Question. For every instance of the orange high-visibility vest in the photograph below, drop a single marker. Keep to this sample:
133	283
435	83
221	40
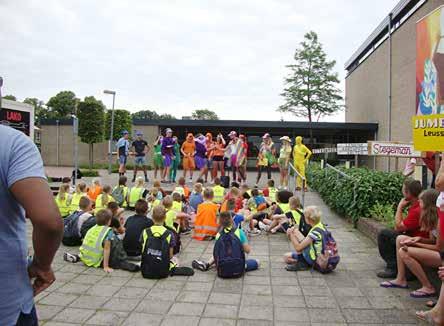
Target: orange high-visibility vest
206	224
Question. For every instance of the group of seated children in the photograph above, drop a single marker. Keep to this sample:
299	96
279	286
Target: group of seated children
108	240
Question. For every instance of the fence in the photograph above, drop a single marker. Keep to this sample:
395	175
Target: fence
293	175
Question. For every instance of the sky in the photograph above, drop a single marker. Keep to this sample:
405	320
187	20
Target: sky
228	56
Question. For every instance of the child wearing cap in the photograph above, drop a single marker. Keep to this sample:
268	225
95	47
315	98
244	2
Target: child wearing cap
123	147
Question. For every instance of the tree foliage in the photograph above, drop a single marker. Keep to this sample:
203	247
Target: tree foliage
204	114
10	97
122	121
62	105
151	115
91	114
311	89
41	112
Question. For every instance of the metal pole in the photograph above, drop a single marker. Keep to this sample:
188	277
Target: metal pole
76	149
1	84
111	137
389	83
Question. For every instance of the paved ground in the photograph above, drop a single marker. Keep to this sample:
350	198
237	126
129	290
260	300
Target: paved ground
270	296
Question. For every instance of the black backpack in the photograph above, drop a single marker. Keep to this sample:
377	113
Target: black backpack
177	241
88	224
118	257
156	255
229	255
71	234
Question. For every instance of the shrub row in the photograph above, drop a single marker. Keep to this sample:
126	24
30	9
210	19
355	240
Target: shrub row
372	188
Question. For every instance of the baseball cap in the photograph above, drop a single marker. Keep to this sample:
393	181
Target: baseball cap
266	135
125	132
232	133
168	130
139	133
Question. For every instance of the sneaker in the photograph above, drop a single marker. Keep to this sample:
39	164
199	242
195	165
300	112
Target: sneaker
70	258
299	266
263	226
254	232
185	232
387	273
200	265
191	180
133	179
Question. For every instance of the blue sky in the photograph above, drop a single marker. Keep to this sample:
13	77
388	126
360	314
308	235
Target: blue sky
174	56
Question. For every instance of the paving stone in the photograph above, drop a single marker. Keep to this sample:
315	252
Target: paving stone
162	294
256	312
289	301
347	292
293	315
64	277
256	300
89	302
386	302
220	311
191	296
113	281
154	306
258	280
103	290
187	309
199	286
169	284
107	318
45	312
316	291
87	279
180	320
120	304
361	316
141	283
249	322
131	292
396	316
217	322
286	290
354	302
74	288
56	323
224	298
140	319
257	289
321	302
58	299
74	315
326	316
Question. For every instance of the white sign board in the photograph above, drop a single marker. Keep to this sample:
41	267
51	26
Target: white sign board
353	149
393	149
323	150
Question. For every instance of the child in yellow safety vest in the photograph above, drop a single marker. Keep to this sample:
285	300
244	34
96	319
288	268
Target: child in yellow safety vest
103	199
218	191
175	218
137	192
270	192
62	200
284	219
75	197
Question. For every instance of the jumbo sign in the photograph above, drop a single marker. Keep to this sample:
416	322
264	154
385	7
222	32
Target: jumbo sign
428	132
377	148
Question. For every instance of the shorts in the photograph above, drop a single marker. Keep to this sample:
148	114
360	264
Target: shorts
188	163
201	162
305	255
122	159
260	216
139	160
283	163
251	265
167	161
218	158
209	163
158	161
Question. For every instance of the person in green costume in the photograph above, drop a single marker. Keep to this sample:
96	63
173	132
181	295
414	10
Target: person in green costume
176	161
157	156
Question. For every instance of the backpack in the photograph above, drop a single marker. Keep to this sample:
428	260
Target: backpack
156	256
118	196
88	224
177	241
118	257
71	234
225	181
229	255
304	227
329	258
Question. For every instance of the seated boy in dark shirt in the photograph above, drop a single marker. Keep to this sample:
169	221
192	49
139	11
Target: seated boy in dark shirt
134	226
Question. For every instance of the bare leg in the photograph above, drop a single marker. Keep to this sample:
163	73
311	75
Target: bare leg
222	168
400	277
288	259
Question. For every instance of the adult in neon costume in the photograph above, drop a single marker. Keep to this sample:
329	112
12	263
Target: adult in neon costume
301	155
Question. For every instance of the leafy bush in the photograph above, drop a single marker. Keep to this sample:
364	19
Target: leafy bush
372	187
90	173
384	213
114	167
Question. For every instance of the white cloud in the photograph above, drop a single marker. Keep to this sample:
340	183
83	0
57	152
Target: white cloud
174	56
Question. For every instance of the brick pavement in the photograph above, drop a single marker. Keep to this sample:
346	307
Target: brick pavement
269	296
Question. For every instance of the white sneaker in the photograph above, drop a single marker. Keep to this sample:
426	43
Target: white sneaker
263	226
254	232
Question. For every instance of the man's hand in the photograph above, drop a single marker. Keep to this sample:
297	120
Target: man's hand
43	278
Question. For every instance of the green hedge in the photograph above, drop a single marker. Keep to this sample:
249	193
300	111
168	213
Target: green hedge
372	188
114	167
90	173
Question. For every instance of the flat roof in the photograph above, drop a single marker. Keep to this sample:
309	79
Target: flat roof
241	124
399	14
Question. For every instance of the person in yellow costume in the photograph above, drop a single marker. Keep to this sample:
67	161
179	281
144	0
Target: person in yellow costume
301	155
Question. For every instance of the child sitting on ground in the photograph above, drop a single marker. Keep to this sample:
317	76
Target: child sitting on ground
137	192
75	198
245	191
196	197
243	218
117	220
153	260
154	197
219	191
284	220
309	247
175	218
73	223
103	199
206	225
226	222
271	191
134	227
156	184
182	188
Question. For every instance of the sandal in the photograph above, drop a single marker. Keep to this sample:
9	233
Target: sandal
425	316
431	303
418	294
390	284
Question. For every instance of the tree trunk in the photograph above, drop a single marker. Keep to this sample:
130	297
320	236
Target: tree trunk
90	156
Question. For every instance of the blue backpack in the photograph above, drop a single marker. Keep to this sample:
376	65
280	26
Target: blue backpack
71	233
329	258
229	255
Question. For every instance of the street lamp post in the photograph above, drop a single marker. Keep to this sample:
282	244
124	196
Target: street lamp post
1	84
75	128
110	155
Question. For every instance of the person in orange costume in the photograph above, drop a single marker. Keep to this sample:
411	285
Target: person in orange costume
301	155
206	224
188	150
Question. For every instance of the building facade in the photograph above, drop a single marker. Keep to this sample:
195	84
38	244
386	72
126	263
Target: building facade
381	75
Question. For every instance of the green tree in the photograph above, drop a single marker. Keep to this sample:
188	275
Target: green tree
204	114
122	121
312	86
151	115
10	97
63	104
91	114
40	111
